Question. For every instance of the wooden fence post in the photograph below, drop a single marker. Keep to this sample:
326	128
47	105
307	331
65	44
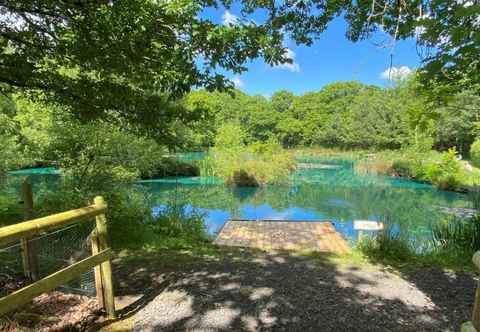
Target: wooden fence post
97	270
103	273
29	254
474	324
476	306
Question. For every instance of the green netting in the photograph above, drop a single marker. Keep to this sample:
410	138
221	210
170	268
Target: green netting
186	180
54	251
42	170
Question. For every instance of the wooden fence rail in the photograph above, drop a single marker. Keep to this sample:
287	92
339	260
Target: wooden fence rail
100	259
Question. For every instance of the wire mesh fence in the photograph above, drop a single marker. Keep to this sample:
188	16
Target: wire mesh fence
52	251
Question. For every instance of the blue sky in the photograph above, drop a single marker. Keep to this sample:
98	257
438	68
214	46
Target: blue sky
331	58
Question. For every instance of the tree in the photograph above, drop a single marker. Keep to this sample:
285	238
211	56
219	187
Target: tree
128	59
282	101
457	123
9	146
447	30
331	104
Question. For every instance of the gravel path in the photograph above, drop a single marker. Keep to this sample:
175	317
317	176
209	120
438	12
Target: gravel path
281	292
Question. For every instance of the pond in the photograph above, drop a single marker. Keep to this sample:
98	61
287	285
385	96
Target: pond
322	189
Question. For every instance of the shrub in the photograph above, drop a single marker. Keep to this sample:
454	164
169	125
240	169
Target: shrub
10	209
128	210
402	168
248	168
172	167
254	165
446	173
176	221
475	153
243	178
230	136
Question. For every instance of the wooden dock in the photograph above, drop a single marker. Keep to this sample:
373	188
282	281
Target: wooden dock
282	235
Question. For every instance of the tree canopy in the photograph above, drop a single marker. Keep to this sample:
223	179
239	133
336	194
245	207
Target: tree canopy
129	59
341	114
447	33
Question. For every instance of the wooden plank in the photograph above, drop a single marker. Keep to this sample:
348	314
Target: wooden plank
105	267
27	229
26	294
285	235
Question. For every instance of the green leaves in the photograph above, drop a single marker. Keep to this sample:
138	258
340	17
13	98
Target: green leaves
447	31
128	55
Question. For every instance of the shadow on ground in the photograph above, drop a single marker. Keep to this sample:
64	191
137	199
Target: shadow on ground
256	291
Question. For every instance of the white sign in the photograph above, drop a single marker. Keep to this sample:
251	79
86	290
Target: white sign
367	225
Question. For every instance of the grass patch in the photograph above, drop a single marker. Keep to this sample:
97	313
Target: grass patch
253	165
451	247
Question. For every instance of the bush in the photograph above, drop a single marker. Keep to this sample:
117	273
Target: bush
175	221
402	168
446	173
254	165
10	209
128	210
475	153
443	170
172	167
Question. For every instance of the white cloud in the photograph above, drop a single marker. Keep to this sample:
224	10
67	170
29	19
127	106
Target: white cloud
238	82
229	19
396	73
465	3
294	66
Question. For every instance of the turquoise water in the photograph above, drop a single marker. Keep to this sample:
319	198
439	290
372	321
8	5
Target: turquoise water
36	171
330	191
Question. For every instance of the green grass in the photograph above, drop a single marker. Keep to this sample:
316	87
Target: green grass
453	251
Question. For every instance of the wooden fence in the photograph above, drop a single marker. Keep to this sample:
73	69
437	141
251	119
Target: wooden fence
474	324
100	259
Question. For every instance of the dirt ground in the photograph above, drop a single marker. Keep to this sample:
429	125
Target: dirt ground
54	311
257	291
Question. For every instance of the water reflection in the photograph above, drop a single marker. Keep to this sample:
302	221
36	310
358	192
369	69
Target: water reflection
337	194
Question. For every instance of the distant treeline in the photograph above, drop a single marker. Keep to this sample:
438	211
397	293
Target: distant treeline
343	114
